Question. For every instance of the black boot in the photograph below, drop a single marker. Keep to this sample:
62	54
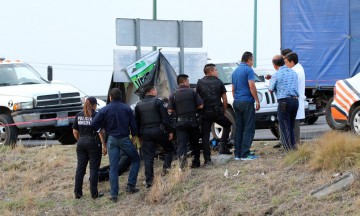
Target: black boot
224	149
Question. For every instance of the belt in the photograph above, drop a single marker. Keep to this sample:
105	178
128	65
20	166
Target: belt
185	119
291	97
88	137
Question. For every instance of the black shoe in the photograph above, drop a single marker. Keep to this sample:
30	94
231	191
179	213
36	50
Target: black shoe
148	185
98	195
208	163
195	165
78	197
113	199
131	190
225	151
165	171
277	145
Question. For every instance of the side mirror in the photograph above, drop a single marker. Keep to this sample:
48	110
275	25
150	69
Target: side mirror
49	73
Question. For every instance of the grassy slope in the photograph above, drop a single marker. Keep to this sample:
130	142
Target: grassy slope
40	181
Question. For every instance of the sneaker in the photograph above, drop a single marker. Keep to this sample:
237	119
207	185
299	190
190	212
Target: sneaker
249	157
237	158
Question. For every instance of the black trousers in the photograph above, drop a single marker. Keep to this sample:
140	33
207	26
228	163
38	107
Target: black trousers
188	134
150	137
87	150
208	119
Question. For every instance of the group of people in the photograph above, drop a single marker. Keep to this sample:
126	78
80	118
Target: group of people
288	83
195	110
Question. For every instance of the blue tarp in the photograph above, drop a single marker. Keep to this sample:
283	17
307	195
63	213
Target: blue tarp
326	36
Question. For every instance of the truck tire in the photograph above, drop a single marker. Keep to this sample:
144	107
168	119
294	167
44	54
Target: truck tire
275	130
330	120
217	129
36	135
67	137
355	121
311	120
8	134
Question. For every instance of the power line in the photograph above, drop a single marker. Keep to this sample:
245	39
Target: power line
75	65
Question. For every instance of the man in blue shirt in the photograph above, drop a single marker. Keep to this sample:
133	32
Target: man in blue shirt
118	119
245	94
285	84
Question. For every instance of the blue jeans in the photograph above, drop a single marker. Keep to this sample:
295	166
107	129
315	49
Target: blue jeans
114	145
245	127
287	110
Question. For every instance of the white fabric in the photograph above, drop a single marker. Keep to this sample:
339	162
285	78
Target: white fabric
298	68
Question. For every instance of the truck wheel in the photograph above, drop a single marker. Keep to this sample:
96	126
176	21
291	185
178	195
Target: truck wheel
311	120
355	120
330	120
50	135
217	129
36	135
8	134
275	130
67	137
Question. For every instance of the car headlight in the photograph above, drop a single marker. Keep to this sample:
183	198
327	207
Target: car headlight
260	97
23	105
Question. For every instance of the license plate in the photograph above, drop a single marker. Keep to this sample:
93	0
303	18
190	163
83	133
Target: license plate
63	119
312	106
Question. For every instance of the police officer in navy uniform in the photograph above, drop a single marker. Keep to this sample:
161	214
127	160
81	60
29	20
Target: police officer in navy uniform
153	120
185	102
212	91
88	149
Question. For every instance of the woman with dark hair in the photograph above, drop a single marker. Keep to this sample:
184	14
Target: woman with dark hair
88	149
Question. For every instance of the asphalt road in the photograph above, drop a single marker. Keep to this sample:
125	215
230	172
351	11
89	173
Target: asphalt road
308	132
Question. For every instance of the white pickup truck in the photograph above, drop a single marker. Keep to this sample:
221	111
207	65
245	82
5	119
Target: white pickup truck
32	104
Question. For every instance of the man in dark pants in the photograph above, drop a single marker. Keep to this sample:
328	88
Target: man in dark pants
185	102
153	120
118	120
245	95
285	84
212	90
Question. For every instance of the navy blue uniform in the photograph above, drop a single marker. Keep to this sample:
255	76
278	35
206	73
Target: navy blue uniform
88	149
154	122
185	102
210	90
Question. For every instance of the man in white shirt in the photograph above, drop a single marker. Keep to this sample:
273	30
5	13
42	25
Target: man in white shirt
292	61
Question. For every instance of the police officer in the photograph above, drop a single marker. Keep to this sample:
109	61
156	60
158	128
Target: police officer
88	149
153	120
212	90
185	102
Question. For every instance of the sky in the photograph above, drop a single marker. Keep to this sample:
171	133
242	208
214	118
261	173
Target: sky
78	37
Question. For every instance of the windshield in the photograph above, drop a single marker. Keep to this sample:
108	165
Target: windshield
225	71
19	74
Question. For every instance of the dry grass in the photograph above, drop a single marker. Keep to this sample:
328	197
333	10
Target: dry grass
40	181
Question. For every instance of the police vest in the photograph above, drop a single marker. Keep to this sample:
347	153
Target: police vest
209	90
149	114
185	103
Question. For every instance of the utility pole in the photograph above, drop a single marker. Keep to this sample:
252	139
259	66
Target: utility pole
154	16
255	31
